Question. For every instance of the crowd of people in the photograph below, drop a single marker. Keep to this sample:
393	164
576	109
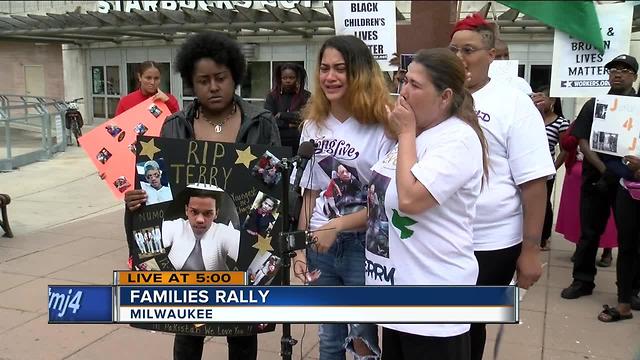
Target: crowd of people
462	164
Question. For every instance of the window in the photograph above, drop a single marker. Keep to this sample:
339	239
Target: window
165	77
257	83
113	80
521	71
540	76
105	82
97	79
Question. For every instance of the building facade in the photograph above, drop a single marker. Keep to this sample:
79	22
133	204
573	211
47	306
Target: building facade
99	64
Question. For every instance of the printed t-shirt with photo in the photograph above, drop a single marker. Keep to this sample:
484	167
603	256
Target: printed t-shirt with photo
434	247
518	153
341	166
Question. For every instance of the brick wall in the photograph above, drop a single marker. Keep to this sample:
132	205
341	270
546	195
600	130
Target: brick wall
13	57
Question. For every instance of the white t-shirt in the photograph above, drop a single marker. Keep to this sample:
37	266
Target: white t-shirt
348	148
434	247
518	152
156	196
217	243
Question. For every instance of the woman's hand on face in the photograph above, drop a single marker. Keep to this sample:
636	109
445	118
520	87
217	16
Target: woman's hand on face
134	199
161	96
402	119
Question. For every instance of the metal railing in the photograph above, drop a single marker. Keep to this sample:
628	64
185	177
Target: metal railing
25	120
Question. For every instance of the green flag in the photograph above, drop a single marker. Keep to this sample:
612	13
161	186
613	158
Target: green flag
576	18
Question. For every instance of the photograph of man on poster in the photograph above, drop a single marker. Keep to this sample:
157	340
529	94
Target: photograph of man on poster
152	183
262	216
198	242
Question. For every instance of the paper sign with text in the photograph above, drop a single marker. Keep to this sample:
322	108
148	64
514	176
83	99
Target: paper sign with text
244	183
373	22
503	69
616	125
578	68
111	146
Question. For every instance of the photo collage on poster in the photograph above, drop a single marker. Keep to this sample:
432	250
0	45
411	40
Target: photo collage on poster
207	211
112	145
267	169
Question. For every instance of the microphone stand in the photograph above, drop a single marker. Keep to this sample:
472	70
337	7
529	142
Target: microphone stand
286	341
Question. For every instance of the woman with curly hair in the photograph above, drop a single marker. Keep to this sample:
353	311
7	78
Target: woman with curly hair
213	66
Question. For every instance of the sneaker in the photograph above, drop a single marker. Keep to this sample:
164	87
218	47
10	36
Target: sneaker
576	289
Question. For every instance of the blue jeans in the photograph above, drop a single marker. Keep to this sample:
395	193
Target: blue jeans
343	264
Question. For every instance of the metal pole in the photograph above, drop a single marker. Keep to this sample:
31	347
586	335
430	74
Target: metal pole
286	341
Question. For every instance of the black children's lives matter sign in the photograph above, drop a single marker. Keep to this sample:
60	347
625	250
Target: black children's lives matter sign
578	68
210	207
373	22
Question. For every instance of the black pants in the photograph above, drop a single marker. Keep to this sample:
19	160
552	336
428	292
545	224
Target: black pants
496	269
628	224
187	347
398	345
548	216
595	209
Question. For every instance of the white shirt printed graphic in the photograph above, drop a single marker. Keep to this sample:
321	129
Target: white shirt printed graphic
434	247
341	166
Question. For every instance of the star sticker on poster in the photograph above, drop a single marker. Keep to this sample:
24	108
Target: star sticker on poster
149	149
402	223
263	244
245	156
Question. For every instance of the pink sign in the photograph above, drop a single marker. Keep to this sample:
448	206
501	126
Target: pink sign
112	145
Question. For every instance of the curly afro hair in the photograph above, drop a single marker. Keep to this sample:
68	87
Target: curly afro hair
212	45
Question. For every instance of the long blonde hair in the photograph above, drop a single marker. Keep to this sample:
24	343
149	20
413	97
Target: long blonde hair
367	92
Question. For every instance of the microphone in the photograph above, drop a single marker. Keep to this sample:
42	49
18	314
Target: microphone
305	152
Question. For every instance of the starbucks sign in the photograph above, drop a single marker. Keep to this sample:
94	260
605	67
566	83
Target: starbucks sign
127	6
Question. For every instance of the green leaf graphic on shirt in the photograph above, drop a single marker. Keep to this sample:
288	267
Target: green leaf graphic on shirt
402	223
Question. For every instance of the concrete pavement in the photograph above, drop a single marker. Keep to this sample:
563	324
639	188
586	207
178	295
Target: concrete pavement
68	230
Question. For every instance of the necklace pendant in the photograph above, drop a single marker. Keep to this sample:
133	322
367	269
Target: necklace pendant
218	128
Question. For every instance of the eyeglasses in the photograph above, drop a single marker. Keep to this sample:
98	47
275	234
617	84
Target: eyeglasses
615	71
465	50
153	175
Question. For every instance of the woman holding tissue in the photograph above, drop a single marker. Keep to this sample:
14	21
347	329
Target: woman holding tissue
427	199
149	78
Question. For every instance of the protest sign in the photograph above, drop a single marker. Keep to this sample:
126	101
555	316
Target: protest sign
242	233
614	130
111	145
373	22
578	68
503	69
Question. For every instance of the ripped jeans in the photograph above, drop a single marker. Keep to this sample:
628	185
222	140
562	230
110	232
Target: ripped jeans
343	264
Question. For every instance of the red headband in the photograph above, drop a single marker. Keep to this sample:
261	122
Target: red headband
471	22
